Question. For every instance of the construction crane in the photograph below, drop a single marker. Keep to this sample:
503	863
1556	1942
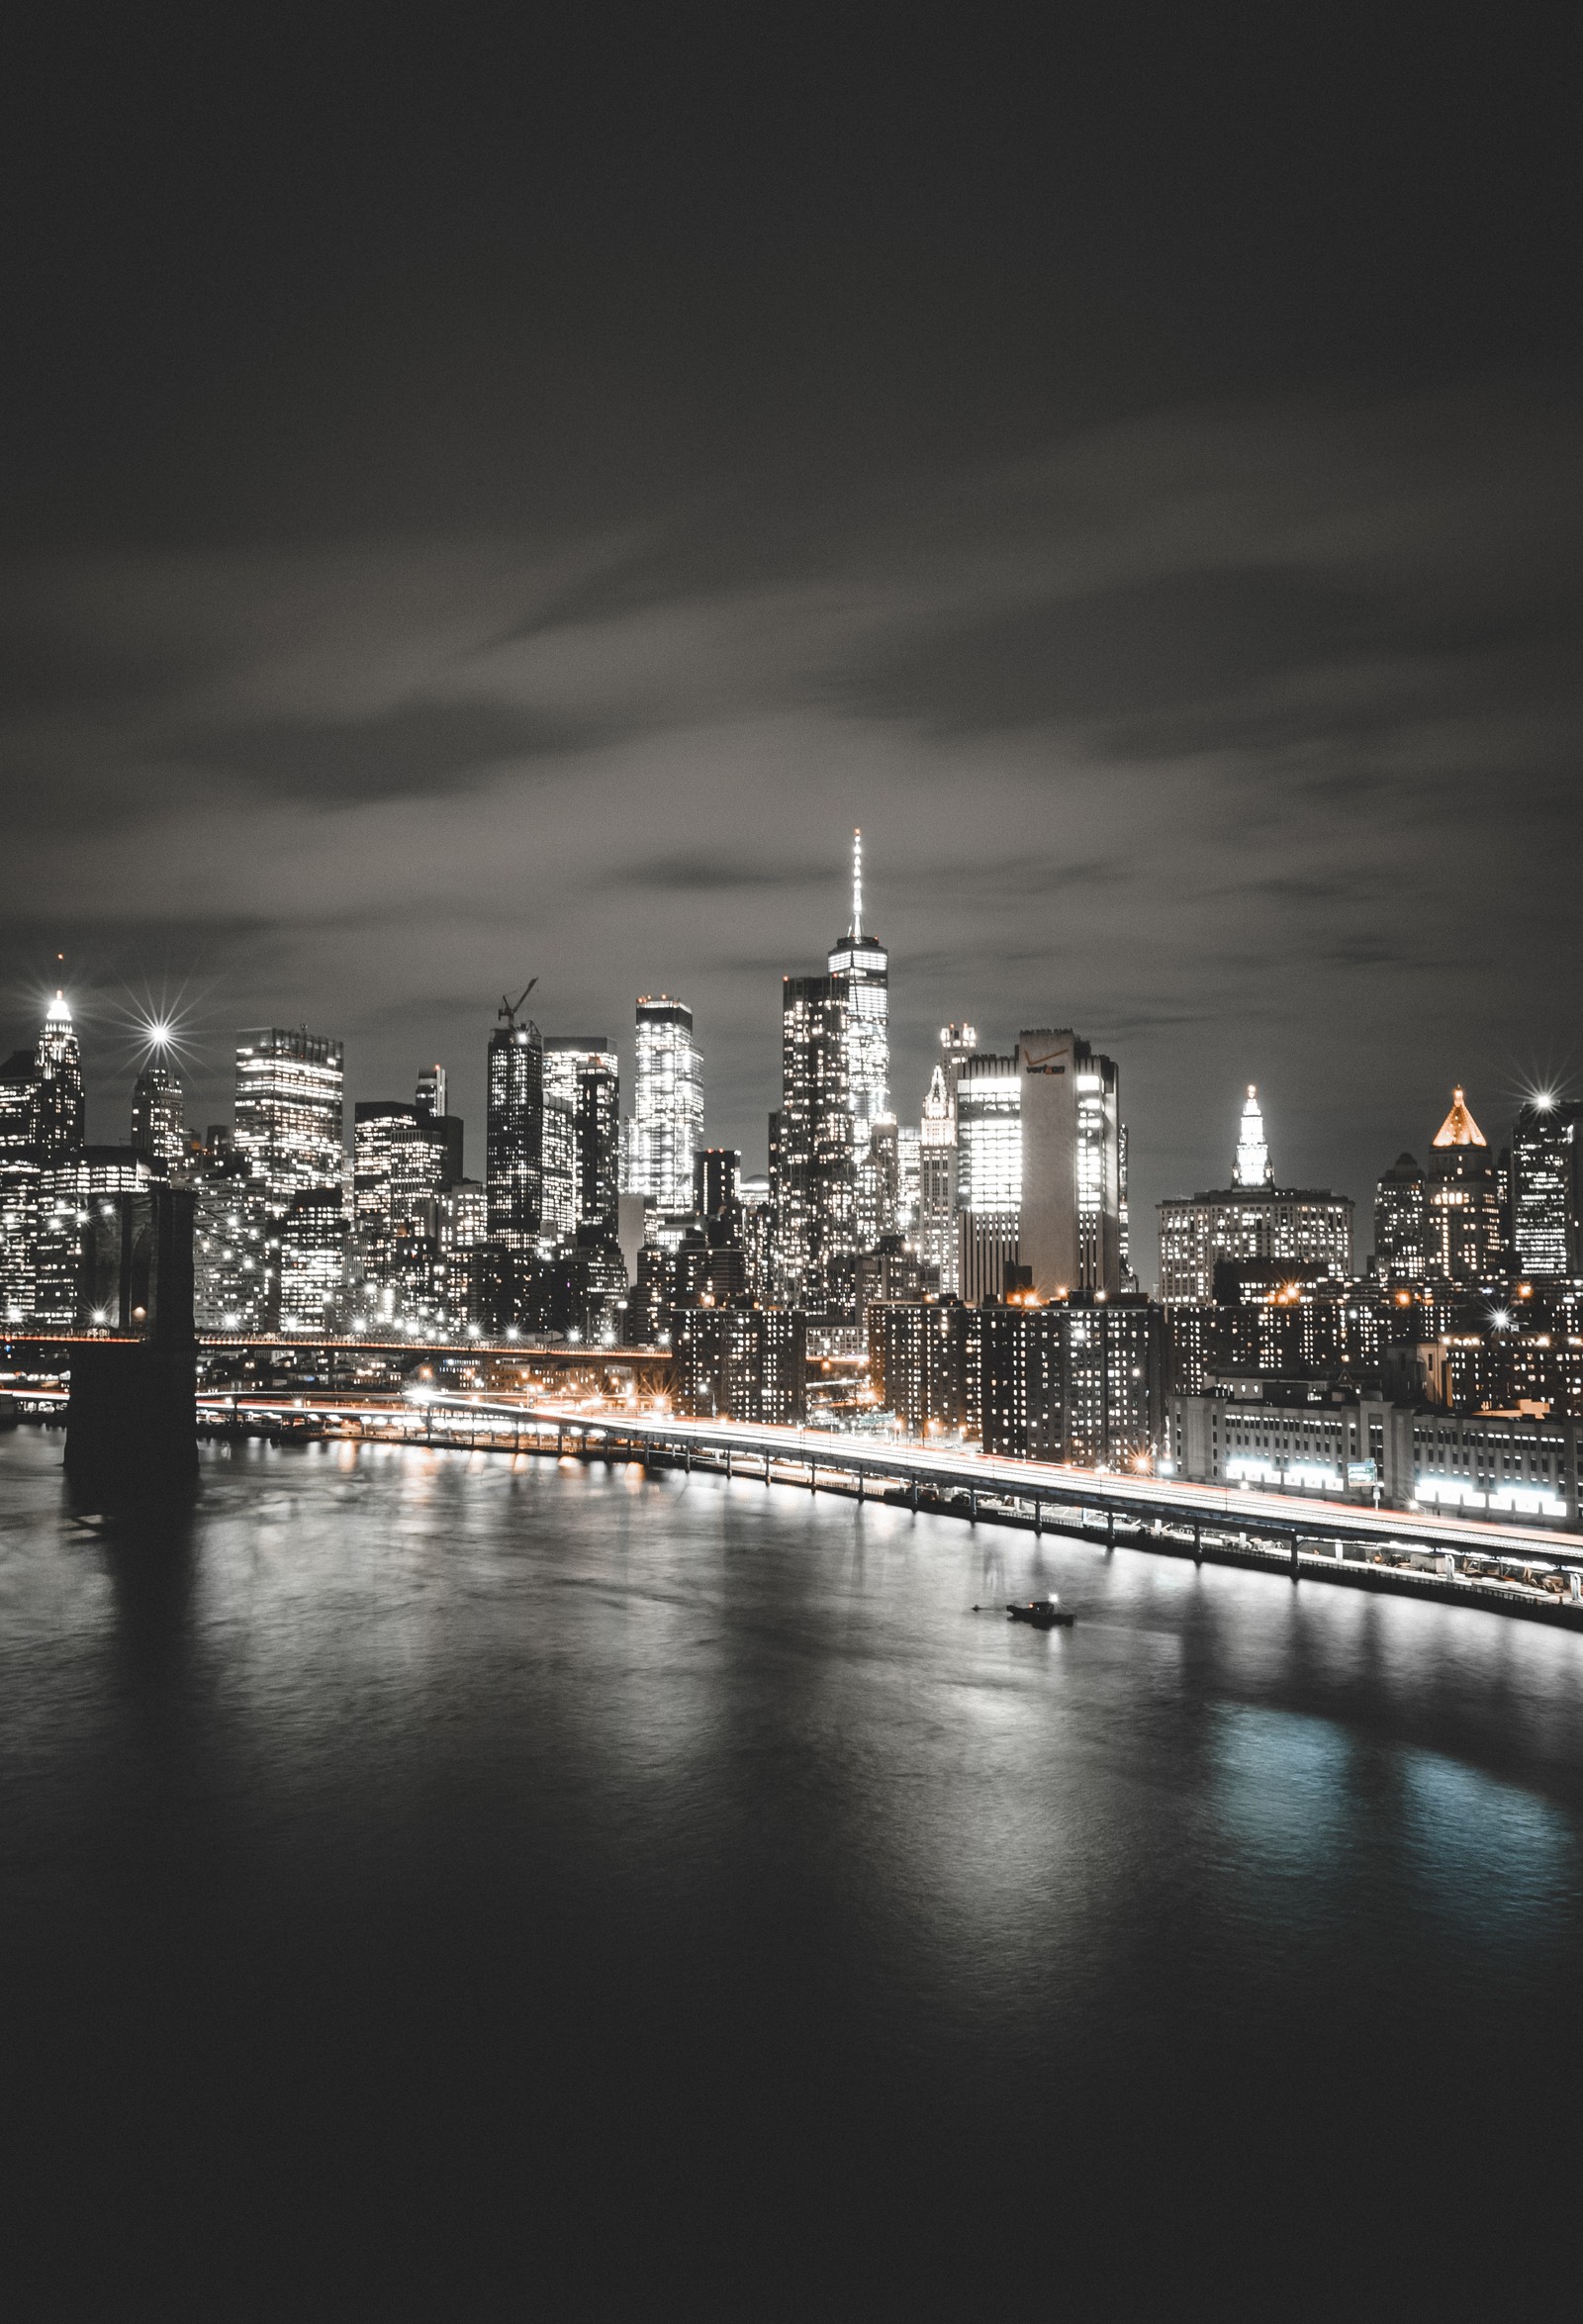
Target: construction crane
508	1008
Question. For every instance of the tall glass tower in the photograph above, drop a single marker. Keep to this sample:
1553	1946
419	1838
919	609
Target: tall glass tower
667	1104
58	1100
514	1135
865	965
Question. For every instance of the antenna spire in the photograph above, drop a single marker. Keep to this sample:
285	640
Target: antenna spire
857	882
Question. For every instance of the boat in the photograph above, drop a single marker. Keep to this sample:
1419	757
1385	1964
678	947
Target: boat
1045	1614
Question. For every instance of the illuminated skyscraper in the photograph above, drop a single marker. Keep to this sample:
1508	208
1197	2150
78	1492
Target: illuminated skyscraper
865	965
1544	1188
158	1125
1252	1217
514	1131
667	1106
1252	1166
988	1173
1464	1239
1400	1222
288	1131
230	1274
58	1102
19	1188
812	1177
1071	1236
289	1090
580	1074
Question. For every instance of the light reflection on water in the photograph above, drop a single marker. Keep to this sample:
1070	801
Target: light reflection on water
445	1750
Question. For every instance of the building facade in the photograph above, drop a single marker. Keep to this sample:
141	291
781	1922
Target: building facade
1071	1121
513	1134
667	1123
1252	1219
740	1362
813	1175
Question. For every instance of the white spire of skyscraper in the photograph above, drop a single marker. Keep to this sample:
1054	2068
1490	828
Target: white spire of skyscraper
857	882
1252	1166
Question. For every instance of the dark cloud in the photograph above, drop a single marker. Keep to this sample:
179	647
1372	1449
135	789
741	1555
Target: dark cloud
414	747
515	511
1153	646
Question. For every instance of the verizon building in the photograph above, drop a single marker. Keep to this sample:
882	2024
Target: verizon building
1071	1236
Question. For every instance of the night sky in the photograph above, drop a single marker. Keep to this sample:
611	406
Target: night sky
485	499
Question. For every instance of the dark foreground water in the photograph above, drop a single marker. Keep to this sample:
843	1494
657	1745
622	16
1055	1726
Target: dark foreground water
433	1884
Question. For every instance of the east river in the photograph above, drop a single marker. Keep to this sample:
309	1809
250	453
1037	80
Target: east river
431	1872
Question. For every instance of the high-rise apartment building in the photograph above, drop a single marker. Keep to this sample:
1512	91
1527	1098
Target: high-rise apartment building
1252	1219
667	1125
158	1123
514	1133
1070	1235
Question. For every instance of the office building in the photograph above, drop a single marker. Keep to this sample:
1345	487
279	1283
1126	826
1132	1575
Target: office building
68	1191
312	1262
1252	1219
446	1128
230	1273
1465	1232
1400	1222
667	1120
58	1109
1544	1189
288	1119
1070	1147
988	1173
863	966
158	1125
19	1188
513	1136
812	1168
581	1069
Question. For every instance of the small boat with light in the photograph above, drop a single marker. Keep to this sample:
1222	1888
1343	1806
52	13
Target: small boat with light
1045	1614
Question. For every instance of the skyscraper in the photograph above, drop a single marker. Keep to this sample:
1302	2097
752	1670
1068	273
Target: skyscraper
989	1174
811	1153
1464	1240
1399	1222
667	1106
937	1155
158	1124
865	965
582	1069
289	1090
19	1188
58	1100
1252	1217
1070	1235
514	1131
1544	1188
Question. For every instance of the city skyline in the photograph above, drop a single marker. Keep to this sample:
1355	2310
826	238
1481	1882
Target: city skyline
209	1091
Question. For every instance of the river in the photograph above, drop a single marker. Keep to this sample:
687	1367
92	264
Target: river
428	1870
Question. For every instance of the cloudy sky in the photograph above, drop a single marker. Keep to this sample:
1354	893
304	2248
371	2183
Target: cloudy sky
509	507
